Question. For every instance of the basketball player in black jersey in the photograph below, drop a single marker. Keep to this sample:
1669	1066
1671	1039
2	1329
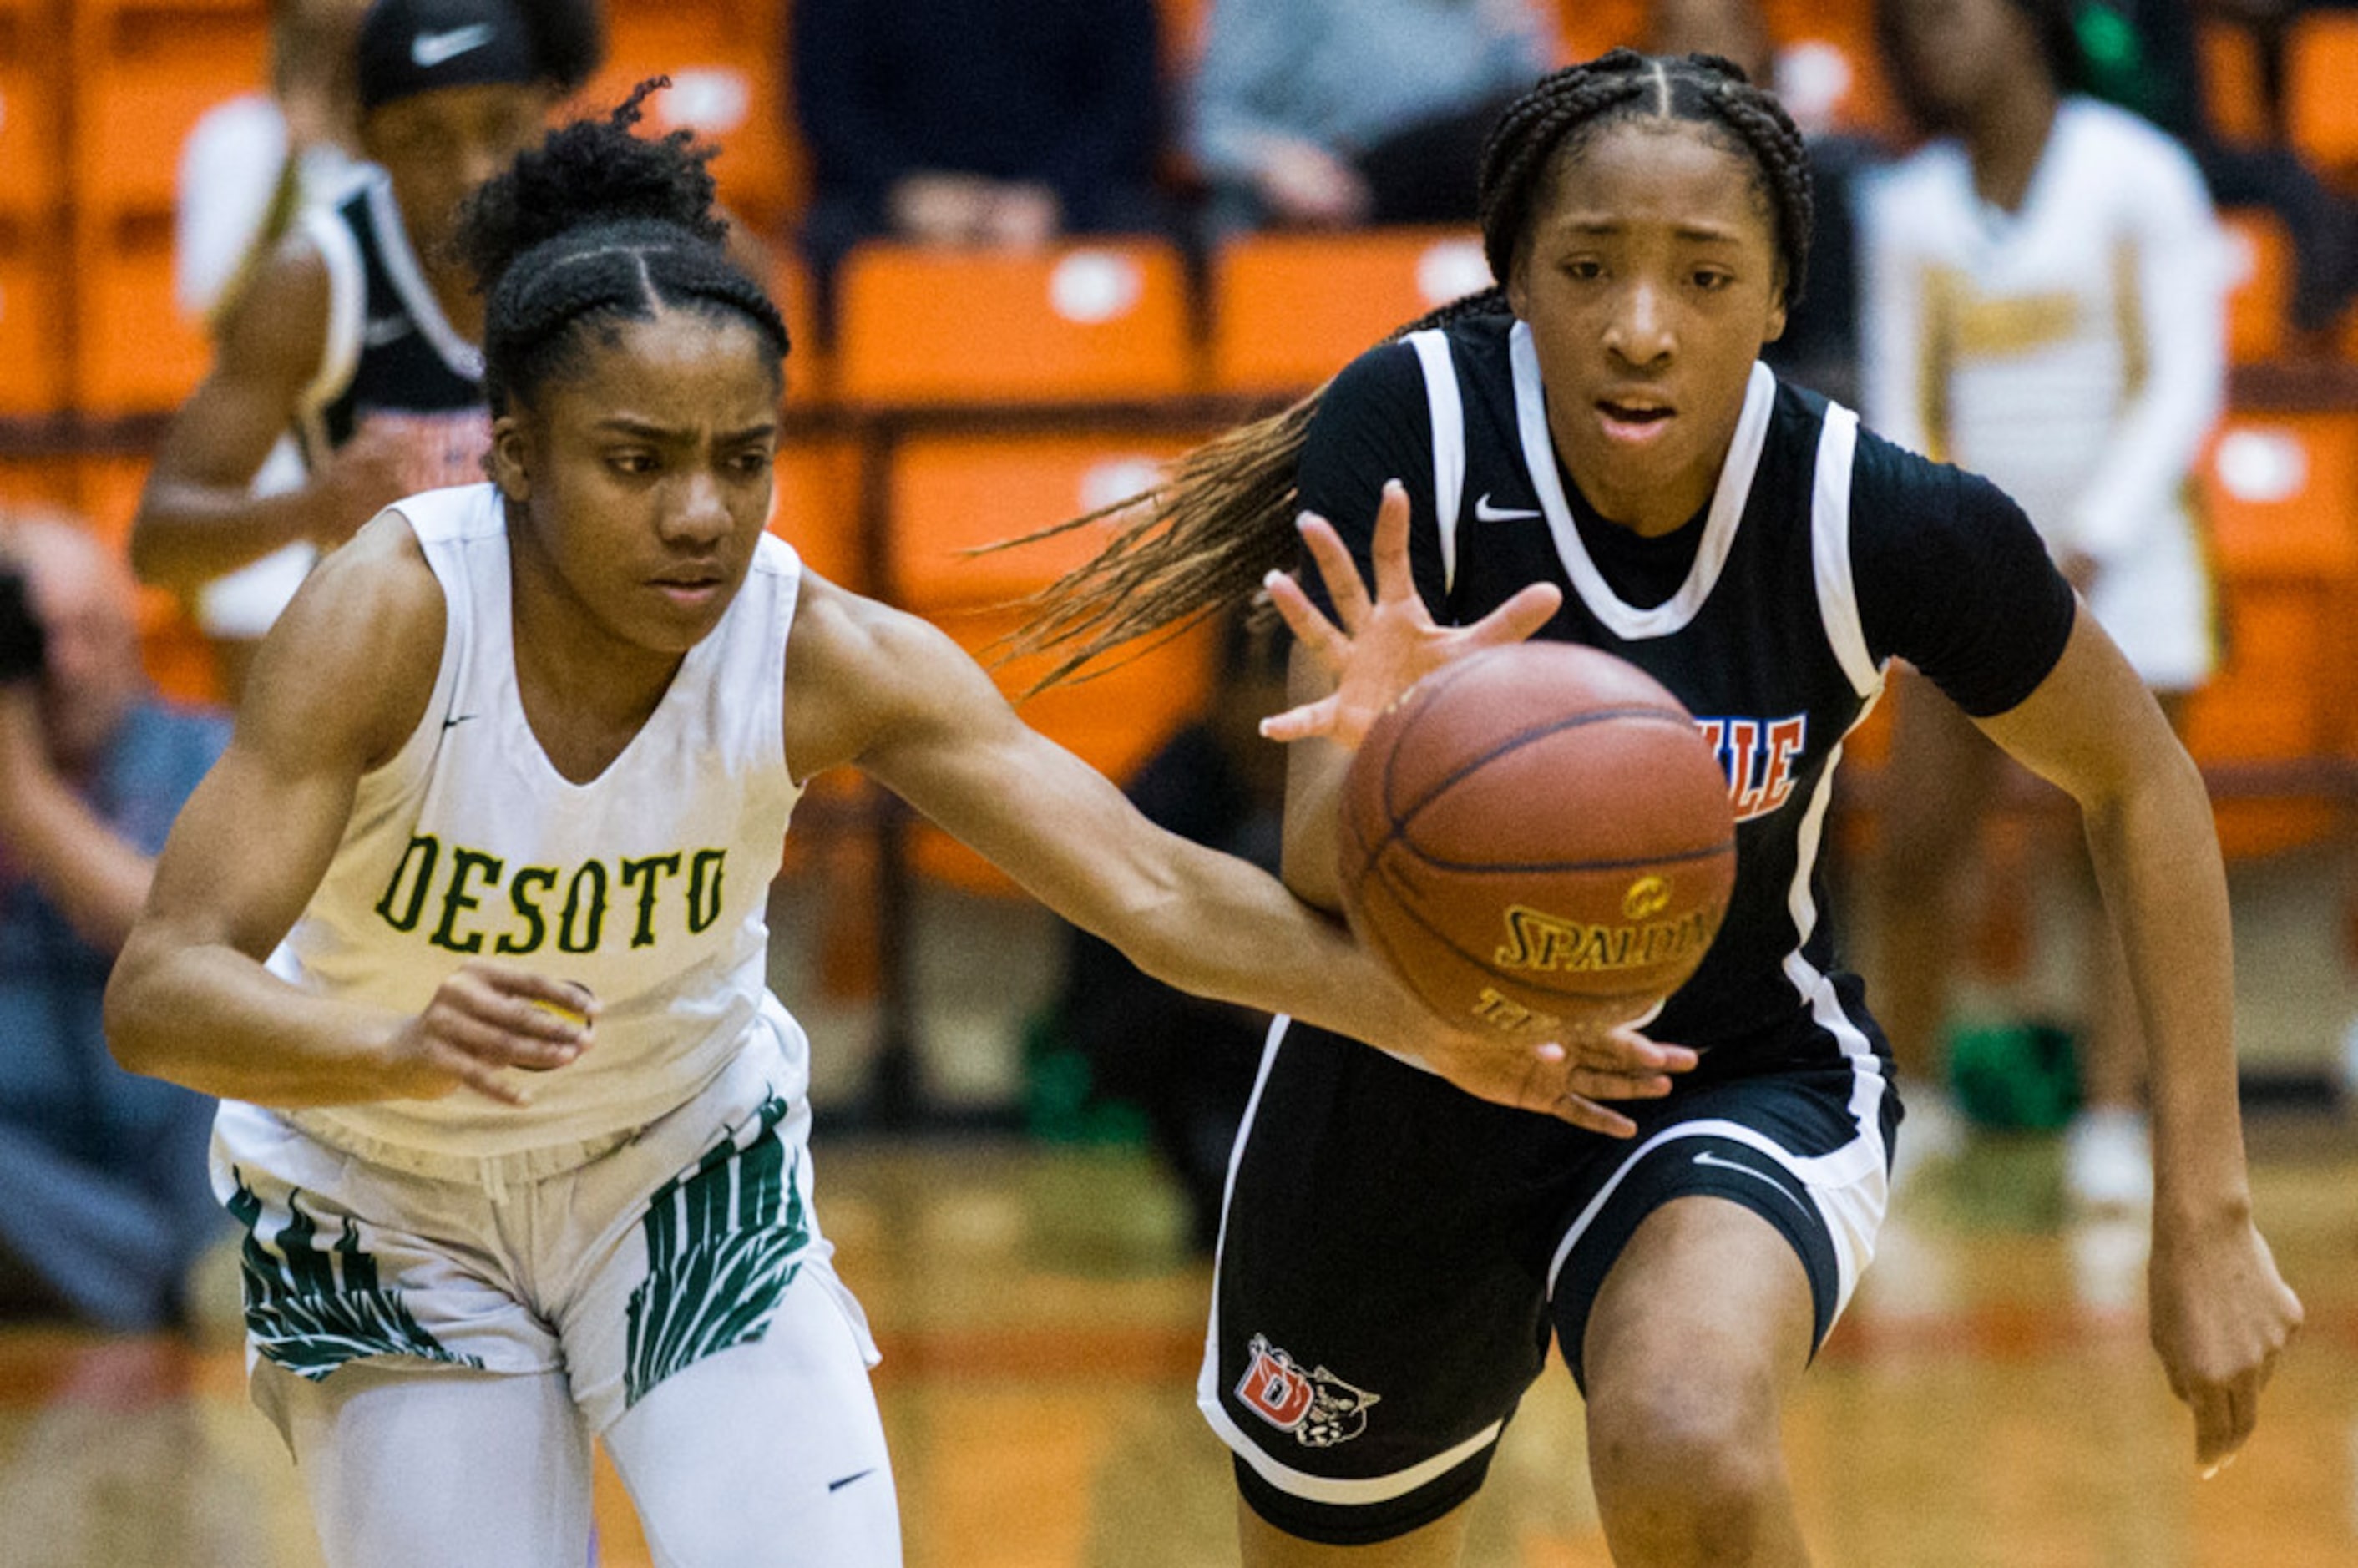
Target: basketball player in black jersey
360	333
1593	453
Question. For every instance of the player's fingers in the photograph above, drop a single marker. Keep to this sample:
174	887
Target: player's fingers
477	1075
2216	1433
1312	718
1595	1084
1394	582
1325	640
1627	1050
1514	621
1588	1114
1336	569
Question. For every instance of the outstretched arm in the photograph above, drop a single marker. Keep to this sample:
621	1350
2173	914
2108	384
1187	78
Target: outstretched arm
2221	1313
893	696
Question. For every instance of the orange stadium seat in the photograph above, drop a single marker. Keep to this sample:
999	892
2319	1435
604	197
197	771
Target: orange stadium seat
810	372
2260	291
2281	494
818	506
1113	722
32	112
2321	66
135	353
1289	310
177	657
953	493
1586	29
33	341
726	60
141	78
1089	320
2233	96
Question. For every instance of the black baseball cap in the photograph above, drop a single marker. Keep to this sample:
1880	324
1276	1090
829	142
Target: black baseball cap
409	47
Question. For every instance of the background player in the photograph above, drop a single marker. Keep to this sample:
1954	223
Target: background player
2045	305
1394	1259
361	334
526	751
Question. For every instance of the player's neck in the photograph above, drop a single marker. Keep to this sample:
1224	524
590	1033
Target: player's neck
2007	136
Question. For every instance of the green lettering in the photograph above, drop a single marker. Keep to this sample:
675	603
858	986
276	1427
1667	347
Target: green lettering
456	898
424	848
579	928
649	871
703	894
528	909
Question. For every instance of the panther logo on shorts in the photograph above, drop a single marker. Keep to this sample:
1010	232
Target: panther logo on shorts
1317	1407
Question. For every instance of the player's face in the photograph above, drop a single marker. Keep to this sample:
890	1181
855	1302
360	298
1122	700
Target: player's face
1949	51
439	147
645	479
1649	278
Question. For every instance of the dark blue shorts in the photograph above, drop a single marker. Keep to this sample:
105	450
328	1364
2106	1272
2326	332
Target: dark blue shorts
1395	1255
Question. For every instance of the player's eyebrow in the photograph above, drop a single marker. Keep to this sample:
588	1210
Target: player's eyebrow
648	430
1702	233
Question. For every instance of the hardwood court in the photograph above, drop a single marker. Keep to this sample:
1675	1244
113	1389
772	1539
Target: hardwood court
1989	1400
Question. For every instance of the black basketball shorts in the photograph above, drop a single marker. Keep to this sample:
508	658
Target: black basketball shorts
1395	1255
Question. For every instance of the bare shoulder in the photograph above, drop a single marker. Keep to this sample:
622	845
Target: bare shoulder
350	667
858	670
278	329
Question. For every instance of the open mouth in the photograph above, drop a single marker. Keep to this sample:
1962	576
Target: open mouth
1633	419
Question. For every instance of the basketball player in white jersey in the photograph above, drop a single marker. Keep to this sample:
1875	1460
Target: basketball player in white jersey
467	931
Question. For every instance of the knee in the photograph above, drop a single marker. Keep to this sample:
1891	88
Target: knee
1684	1459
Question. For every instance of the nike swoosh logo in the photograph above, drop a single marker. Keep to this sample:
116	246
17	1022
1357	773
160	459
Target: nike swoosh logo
1486	512
456	720
838	1485
427	50
1707	1158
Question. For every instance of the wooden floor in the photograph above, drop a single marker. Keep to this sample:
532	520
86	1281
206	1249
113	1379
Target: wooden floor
1989	1400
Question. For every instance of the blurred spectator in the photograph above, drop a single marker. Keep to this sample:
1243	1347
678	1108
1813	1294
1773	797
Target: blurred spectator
1332	114
104	1201
2142	54
2045	305
355	333
974	122
1819	345
1187	1061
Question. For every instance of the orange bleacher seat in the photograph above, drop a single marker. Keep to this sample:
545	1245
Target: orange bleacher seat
135	353
1586	29
727	69
1289	310
178	659
817	509
810	374
2234	98
32	114
33	339
2321	100
2260	290
1113	722
1093	319
951	494
2281	494
141	78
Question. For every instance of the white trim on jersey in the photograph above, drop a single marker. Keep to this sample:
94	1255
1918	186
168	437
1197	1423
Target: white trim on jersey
464	359
1626	620
1284	1477
1441	396
340	356
1830	551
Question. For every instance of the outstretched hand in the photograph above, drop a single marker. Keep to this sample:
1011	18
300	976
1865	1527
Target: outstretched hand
1384	646
1566	1078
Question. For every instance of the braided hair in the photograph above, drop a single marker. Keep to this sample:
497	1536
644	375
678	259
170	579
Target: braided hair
598	223
1223	519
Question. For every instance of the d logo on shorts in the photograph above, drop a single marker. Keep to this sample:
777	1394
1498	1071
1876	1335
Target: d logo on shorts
1317	1407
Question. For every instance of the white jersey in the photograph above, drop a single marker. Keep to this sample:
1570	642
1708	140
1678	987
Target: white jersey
646	885
2073	350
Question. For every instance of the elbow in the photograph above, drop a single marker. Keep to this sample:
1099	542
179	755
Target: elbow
135	1046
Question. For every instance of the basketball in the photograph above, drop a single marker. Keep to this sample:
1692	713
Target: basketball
1537	834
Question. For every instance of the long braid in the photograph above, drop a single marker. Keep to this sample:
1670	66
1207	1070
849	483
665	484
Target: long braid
1205	537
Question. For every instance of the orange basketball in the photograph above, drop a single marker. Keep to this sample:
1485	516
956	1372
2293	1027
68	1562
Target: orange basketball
1538	835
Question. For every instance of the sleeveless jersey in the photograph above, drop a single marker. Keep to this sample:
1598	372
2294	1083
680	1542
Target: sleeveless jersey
646	885
390	352
1762	640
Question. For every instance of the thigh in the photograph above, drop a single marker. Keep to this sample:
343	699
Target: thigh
1378	1305
770	1452
461	1469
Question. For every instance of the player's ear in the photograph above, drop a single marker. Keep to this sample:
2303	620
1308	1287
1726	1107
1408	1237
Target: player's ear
507	460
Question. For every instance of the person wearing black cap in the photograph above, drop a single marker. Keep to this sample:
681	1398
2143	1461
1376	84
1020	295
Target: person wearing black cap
360	333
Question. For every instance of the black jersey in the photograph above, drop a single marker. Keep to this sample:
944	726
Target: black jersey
390	352
1825	552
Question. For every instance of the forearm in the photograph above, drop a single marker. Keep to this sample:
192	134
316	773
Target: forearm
2156	858
96	879
208	1017
188	533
